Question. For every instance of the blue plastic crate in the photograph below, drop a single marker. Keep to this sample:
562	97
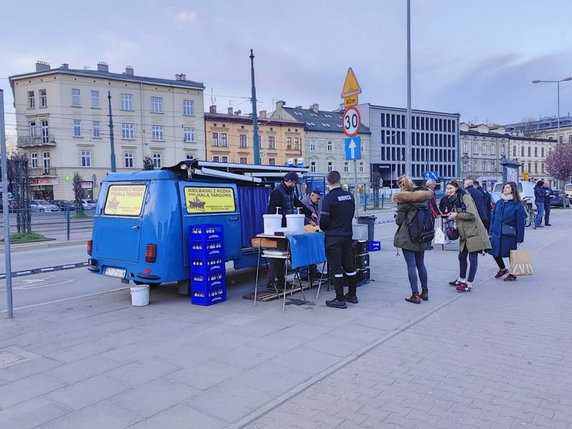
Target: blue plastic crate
203	281
199	265
206	231
374	246
208	296
206	248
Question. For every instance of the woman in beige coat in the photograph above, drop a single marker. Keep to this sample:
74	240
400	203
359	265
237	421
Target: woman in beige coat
473	237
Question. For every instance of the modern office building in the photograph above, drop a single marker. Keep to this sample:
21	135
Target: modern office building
229	138
324	143
434	145
62	119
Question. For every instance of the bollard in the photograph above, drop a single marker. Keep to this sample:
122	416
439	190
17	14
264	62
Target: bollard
382	199
68	221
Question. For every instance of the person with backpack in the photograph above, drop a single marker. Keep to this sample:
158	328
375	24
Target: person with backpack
473	237
415	232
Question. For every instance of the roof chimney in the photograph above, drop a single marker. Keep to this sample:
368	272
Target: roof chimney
42	66
280	104
262	114
65	66
129	70
212	109
102	67
315	108
230	110
181	76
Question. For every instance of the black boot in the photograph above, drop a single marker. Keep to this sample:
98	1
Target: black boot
339	301
351	295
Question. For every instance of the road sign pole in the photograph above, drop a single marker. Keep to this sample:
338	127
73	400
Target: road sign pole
356	188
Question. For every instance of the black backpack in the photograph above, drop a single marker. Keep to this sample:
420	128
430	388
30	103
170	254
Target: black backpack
422	227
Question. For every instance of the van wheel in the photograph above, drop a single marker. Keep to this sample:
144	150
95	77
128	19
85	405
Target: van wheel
183	287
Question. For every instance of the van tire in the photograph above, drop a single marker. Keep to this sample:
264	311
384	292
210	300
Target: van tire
183	287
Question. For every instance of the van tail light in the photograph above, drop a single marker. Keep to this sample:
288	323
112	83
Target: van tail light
151	253
89	247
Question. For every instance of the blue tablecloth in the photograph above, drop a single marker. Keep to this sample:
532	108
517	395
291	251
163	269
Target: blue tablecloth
307	249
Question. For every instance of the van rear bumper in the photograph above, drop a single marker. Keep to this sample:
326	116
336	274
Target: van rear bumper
95	267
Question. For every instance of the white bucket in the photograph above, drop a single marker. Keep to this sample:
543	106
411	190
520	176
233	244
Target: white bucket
272	222
359	231
295	223
140	295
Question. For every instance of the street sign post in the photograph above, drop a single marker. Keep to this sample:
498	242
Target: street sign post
351	121
351	86
352	146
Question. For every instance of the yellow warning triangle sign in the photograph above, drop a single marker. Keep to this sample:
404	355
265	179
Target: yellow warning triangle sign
351	86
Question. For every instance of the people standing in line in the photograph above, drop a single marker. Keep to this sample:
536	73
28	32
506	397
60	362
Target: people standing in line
410	200
313	202
507	227
539	197
479	199
487	198
473	238
547	199
283	198
338	208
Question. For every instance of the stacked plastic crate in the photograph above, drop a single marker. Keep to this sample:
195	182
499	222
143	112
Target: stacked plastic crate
207	264
360	250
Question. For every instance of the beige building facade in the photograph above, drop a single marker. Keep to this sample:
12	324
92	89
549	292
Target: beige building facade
62	120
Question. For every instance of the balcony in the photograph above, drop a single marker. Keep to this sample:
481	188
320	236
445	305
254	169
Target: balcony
42	172
26	141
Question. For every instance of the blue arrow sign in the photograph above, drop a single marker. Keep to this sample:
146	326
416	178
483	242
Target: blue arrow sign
431	175
352	147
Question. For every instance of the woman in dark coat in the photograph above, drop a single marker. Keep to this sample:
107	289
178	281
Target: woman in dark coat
409	200
508	211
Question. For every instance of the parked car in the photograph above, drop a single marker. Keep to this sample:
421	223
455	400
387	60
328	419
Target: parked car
88	204
558	199
63	205
42	206
568	191
11	206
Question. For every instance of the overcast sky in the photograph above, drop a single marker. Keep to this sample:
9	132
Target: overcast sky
476	58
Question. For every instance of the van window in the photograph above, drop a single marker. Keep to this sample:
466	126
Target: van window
124	200
568	187
498	187
209	200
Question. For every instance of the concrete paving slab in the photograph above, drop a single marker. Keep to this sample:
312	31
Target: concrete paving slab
180	417
24	389
32	413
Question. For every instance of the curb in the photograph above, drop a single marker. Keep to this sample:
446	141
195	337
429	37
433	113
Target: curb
42	245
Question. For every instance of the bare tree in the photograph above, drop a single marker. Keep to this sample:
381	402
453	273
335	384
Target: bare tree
148	163
559	162
18	182
79	192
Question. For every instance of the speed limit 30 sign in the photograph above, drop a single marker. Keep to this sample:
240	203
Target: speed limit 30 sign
351	121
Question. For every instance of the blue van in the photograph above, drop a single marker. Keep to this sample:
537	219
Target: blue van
142	219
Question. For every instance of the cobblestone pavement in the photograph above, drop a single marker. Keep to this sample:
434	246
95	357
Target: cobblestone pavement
498	357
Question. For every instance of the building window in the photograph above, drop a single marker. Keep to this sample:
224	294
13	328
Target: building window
156	160
126	101
271	161
216	159
243	160
189	134
330	146
346	167
223	141
157	131
522	151
271	142
95	99
85	158
529	151
32	129
187	107
96	125
535	151
76	128
75	97
224	159
542	152
330	166
215	139
45	131
242	140
288	143
157	104
312	147
128	159
34	160
313	167
31	100
128	131
46	162
43	98
514	151
361	166
296	143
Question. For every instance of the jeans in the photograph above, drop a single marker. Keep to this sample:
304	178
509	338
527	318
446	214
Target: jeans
415	264
546	213
539	213
473	259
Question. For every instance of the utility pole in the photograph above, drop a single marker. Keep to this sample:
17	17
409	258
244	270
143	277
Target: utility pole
111	141
408	151
255	139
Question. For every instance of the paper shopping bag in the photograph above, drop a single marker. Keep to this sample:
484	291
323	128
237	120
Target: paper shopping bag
439	236
520	262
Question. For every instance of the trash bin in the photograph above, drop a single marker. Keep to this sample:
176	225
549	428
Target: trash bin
370	222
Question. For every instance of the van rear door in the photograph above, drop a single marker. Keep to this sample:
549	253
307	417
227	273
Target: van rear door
119	221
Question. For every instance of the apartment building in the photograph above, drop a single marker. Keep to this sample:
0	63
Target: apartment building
545	128
229	138
324	142
62	119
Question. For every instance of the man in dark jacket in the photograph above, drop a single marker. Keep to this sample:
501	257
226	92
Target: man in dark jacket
336	221
487	199
479	200
283	199
547	199
539	197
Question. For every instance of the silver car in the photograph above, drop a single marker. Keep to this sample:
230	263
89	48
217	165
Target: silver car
43	206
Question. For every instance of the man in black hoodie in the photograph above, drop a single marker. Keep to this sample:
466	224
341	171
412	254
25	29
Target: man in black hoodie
479	200
336	221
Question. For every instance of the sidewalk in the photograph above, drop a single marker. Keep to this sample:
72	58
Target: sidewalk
99	362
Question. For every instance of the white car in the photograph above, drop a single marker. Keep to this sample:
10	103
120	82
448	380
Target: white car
43	206
88	204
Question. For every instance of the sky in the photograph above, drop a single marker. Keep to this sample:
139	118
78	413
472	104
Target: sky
476	58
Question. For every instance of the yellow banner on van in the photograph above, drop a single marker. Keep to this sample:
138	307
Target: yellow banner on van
209	200
124	200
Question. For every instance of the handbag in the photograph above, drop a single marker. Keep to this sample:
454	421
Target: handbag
508	230
521	262
452	232
439	236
